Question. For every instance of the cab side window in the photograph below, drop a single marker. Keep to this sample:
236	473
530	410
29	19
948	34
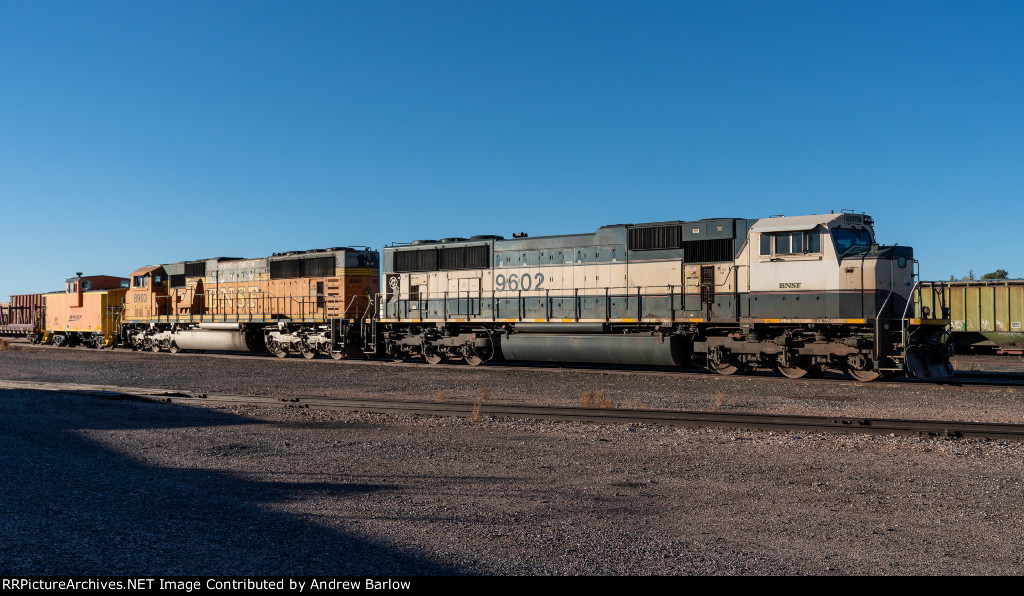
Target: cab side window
791	243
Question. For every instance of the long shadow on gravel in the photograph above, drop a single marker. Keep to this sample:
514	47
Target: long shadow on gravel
71	506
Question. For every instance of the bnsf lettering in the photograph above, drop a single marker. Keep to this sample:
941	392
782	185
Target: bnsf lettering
788	284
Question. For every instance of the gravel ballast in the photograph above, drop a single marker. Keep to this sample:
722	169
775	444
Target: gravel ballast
96	486
654	389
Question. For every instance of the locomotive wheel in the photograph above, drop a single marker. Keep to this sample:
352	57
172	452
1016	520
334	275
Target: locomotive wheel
307	352
155	346
174	349
864	376
801	366
337	355
58	340
277	349
725	368
433	358
475	358
722	362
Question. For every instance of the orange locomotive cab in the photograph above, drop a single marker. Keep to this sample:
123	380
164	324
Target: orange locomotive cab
147	294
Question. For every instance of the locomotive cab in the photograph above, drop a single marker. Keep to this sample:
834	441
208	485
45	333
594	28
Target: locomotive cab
827	275
826	267
147	294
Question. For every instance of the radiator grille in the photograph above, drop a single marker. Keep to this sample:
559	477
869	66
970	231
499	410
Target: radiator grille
707	251
415	260
309	267
655	237
465	257
195	269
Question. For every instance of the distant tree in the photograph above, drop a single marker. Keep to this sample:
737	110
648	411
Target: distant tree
968	277
997	274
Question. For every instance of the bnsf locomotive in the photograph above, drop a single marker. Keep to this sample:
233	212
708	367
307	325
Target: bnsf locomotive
306	302
804	295
801	294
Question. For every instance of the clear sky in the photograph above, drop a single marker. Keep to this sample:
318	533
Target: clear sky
136	133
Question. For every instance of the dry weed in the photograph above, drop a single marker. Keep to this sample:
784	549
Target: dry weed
479	404
719	400
440	396
3	345
596	399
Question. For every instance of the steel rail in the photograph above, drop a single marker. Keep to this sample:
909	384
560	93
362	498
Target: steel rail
959	379
482	409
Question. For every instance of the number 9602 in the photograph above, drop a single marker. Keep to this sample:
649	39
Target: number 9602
514	283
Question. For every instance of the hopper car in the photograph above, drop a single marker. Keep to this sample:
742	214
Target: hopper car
984	315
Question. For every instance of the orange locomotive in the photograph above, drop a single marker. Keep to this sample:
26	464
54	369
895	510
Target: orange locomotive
306	302
86	312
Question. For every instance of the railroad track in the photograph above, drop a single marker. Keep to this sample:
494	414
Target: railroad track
481	409
979	379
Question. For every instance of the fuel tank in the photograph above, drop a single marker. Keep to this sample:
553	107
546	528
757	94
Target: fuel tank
594	348
216	340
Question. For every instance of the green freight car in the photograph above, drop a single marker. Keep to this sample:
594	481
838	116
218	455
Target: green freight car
984	315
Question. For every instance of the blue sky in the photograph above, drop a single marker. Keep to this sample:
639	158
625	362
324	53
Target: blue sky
136	133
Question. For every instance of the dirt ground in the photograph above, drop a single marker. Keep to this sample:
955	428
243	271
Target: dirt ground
95	486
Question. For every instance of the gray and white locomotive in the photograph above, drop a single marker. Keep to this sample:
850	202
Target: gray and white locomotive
803	295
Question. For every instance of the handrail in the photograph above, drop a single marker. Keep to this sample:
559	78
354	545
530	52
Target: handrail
248	306
514	304
907	306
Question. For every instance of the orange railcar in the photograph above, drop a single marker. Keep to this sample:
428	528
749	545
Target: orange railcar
86	312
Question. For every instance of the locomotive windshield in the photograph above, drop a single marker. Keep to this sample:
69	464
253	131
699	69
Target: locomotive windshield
851	240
